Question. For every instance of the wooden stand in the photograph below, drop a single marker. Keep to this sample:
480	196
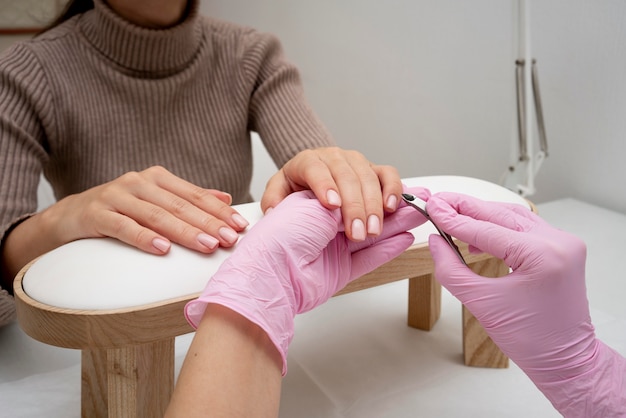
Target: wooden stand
478	348
128	354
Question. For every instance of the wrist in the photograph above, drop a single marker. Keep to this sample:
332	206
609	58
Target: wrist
30	238
599	390
257	299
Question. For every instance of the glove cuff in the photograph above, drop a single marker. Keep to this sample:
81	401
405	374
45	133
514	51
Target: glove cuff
276	319
598	392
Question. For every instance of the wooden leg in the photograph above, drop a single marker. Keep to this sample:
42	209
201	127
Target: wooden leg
479	350
424	302
93	391
128	382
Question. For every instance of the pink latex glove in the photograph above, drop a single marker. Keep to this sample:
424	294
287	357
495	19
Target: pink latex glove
295	259
539	314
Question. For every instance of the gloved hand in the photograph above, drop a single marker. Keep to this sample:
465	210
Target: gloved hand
539	314
295	259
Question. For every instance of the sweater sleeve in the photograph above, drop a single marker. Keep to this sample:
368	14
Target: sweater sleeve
25	107
278	110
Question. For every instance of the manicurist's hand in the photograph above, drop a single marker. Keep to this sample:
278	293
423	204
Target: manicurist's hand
295	259
147	209
340	179
538	314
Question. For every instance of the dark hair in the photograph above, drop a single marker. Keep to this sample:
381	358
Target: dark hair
73	8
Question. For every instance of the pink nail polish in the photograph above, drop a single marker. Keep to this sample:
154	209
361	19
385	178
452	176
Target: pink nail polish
358	230
373	225
333	198
208	241
392	202
240	220
228	235
161	244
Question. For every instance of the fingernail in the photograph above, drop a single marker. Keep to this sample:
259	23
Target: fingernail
358	230
373	225
333	198
240	220
208	241
228	235
161	244
392	202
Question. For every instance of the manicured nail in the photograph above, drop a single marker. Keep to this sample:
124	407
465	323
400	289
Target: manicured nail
392	202
240	220
373	225
161	244
208	241
333	198
358	230
228	235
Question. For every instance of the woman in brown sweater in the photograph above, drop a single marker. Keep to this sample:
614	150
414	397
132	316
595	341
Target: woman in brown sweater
138	112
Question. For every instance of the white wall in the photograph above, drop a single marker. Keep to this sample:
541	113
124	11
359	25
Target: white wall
429	86
580	45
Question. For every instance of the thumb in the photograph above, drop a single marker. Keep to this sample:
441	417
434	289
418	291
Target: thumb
276	189
455	276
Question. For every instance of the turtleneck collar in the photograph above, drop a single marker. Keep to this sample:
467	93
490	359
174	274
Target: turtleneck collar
142	49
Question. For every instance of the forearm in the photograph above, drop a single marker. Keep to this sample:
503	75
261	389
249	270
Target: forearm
598	393
232	369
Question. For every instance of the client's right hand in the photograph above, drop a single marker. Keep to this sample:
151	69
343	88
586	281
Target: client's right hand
150	209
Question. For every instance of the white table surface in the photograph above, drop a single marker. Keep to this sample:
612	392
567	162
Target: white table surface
355	357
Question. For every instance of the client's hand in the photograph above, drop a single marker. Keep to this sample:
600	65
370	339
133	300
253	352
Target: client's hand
538	314
340	179
295	259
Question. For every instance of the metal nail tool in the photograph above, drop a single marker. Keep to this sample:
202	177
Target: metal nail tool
420	205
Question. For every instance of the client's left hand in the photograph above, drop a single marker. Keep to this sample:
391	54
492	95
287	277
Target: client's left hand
340	179
295	259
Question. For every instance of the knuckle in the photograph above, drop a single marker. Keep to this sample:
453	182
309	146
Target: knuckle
155	170
199	194
155	215
118	227
210	223
143	236
178	207
129	178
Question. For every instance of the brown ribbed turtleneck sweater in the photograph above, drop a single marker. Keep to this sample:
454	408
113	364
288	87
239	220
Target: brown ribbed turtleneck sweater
97	97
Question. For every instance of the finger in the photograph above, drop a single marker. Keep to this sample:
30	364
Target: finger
223	196
363	200
276	190
404	219
305	171
421	192
352	179
511	216
391	186
302	218
125	229
374	256
192	203
164	222
500	241
183	222
455	276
